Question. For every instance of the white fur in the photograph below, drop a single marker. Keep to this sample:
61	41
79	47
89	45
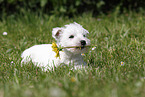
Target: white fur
43	56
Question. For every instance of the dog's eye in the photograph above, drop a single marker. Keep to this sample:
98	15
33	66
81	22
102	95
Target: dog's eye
71	36
84	35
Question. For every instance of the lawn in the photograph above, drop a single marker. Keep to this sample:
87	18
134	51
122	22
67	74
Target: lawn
118	67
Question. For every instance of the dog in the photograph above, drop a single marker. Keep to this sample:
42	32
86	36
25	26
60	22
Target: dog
71	35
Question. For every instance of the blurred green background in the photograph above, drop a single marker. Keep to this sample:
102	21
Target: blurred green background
69	7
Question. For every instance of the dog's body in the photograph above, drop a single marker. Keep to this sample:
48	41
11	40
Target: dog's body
70	35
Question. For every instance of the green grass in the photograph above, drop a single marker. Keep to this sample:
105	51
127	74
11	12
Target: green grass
118	39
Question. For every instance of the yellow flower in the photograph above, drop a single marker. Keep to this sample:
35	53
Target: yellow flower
73	79
55	49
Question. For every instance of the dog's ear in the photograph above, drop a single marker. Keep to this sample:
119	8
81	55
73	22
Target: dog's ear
56	33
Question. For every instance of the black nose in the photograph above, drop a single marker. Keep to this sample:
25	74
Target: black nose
83	42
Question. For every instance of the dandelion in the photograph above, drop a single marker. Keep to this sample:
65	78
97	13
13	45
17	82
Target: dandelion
5	33
93	48
122	63
56	49
73	79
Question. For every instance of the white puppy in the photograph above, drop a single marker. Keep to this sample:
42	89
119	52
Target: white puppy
69	35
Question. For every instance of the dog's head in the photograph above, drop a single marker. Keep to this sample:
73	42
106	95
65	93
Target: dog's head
72	35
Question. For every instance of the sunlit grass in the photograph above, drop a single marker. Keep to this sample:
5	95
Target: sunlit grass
117	61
